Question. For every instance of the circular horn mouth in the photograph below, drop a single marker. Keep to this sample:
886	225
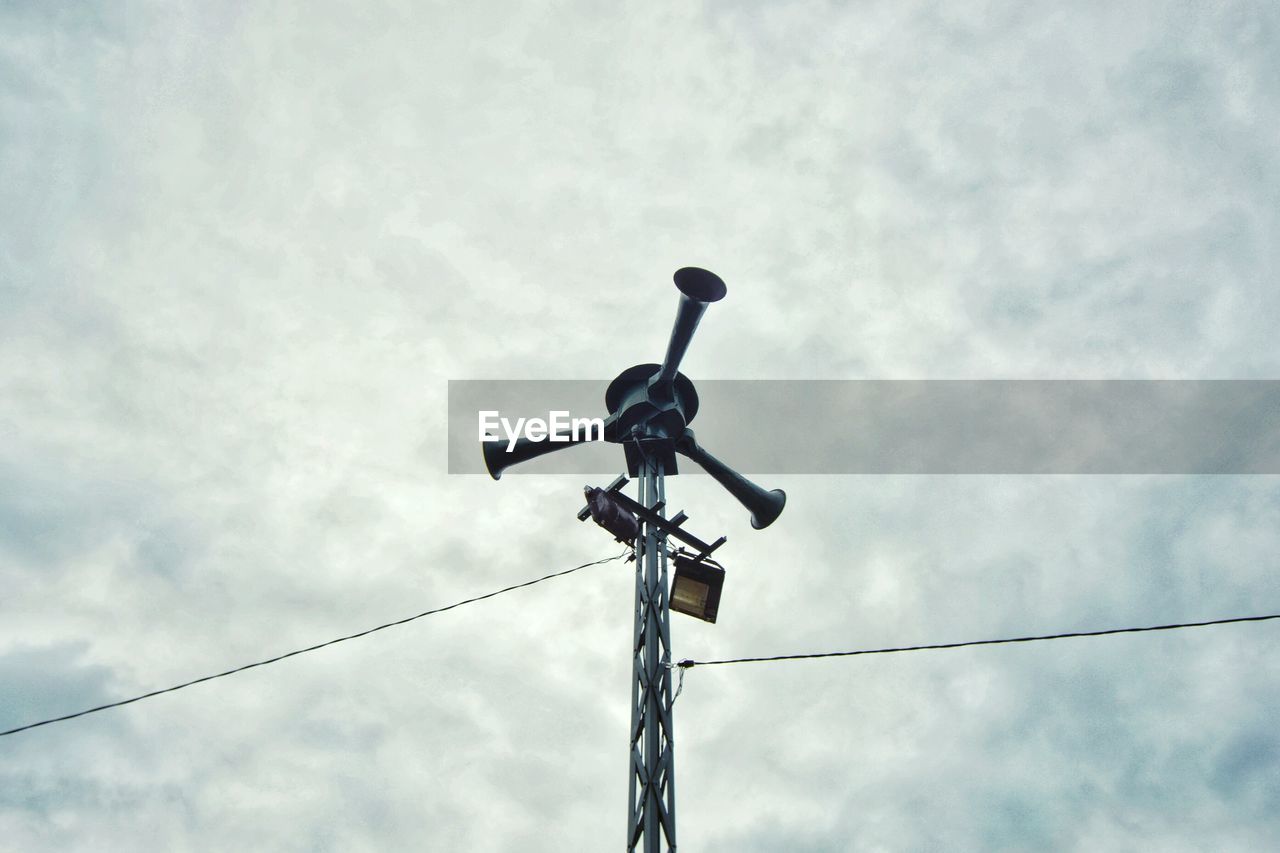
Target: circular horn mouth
700	284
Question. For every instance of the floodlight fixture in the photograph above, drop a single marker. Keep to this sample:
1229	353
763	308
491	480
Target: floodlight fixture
695	589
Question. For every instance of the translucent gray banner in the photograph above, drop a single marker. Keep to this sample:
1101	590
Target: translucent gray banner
918	426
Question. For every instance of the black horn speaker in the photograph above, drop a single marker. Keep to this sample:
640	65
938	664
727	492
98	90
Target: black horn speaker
765	505
497	457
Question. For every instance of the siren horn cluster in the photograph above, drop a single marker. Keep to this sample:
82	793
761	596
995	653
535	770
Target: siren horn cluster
650	407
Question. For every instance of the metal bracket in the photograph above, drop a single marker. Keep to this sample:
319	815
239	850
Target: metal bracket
670	526
621	481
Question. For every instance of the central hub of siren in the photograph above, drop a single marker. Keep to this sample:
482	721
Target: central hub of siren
648	424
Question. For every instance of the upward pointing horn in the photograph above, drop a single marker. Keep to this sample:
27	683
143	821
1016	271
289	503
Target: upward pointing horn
698	289
765	506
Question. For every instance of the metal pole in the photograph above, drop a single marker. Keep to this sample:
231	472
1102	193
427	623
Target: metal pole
651	807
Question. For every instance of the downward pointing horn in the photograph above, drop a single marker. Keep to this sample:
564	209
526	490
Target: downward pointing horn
765	506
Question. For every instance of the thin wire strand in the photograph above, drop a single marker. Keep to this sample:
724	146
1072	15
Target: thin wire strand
687	664
317	646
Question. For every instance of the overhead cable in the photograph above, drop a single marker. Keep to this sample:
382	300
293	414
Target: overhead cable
317	646
687	663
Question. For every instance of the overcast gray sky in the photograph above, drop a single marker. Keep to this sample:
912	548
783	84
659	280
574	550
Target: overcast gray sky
243	248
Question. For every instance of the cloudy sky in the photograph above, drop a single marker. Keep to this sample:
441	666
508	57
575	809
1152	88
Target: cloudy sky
244	247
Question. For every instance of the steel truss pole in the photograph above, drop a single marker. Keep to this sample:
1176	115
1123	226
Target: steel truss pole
651	810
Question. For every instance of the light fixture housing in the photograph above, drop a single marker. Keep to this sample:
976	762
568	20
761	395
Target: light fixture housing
695	588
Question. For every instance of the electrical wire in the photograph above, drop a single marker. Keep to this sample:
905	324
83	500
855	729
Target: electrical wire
688	664
317	646
680	686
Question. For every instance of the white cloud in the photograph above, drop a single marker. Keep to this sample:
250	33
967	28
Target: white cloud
245	249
